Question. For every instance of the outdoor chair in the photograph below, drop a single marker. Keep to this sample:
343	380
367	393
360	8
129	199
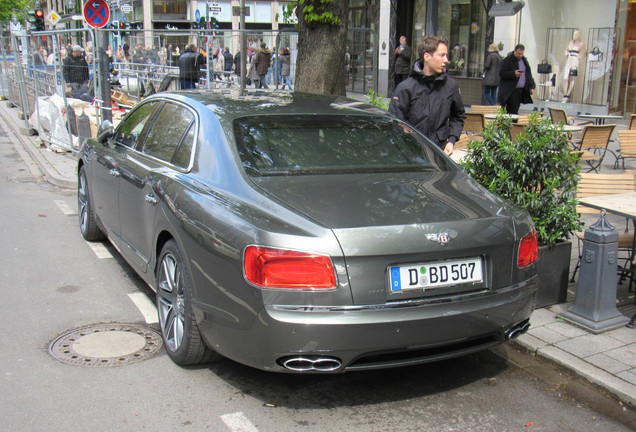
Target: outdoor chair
462	143
593	144
515	130
523	119
474	123
484	109
558	115
591	184
626	146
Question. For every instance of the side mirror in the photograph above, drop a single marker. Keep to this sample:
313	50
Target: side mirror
105	131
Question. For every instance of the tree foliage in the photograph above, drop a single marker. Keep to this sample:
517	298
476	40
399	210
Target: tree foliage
8	8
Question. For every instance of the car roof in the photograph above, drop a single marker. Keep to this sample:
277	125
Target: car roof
227	105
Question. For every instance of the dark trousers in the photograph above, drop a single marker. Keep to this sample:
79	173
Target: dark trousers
514	102
262	82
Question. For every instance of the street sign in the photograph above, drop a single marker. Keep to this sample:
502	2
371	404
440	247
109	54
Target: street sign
197	16
53	17
96	13
214	8
126	8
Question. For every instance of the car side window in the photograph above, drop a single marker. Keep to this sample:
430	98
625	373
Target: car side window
167	133
184	152
130	130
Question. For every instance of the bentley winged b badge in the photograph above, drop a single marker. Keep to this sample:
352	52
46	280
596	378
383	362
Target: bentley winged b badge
443	237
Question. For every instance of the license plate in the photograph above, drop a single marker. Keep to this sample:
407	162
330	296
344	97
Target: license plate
435	274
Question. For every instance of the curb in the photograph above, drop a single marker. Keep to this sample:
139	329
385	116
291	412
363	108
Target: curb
49	171
623	390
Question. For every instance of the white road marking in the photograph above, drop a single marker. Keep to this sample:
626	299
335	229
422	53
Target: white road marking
238	422
145	306
66	209
100	250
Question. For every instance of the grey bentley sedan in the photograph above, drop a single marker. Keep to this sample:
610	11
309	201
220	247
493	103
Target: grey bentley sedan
302	233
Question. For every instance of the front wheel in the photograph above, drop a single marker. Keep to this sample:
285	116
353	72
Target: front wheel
179	329
88	227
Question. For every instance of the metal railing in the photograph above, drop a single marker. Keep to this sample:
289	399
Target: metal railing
35	83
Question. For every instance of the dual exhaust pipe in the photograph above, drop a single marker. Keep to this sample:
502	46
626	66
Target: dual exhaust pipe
310	364
519	329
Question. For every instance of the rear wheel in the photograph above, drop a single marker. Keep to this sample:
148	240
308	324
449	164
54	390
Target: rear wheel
179	329
88	227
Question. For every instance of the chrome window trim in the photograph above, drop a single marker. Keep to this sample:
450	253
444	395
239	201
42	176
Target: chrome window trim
195	145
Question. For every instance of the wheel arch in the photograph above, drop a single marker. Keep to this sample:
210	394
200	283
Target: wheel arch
163	238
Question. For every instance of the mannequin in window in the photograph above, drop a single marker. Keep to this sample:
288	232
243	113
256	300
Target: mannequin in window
571	72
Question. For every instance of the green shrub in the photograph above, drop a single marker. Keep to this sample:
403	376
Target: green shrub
376	100
537	172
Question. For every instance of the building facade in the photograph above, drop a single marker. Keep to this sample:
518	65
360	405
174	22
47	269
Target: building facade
605	64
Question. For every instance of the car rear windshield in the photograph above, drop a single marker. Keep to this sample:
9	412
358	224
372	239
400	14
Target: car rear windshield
312	144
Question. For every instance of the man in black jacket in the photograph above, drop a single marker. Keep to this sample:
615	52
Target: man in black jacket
429	98
517	85
402	61
190	63
75	70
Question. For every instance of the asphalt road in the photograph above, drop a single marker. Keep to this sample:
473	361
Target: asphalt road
53	281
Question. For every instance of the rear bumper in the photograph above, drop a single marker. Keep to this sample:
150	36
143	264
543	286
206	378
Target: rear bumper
374	336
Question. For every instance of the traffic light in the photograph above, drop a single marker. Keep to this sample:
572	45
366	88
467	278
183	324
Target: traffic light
202	23
39	20
214	23
31	19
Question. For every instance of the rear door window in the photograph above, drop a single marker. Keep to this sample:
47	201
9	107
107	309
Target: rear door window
130	131
171	136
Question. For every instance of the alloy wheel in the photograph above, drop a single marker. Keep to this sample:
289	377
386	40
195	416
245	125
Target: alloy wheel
171	301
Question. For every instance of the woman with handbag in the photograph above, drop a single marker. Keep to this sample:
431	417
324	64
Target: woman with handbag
490	81
574	53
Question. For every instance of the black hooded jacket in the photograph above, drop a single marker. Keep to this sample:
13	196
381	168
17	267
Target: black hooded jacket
432	104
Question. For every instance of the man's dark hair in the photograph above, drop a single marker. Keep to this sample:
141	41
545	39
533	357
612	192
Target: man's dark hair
520	47
429	45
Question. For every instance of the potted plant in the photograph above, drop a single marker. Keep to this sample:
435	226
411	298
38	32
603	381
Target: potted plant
538	172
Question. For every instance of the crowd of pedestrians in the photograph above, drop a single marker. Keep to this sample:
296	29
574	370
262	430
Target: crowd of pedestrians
264	66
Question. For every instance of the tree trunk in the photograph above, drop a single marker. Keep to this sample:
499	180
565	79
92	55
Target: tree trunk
320	66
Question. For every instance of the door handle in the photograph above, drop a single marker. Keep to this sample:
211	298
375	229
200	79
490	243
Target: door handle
150	198
115	172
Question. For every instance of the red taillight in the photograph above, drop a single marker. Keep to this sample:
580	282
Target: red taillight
528	250
279	268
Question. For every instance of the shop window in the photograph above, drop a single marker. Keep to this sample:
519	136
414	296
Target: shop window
463	24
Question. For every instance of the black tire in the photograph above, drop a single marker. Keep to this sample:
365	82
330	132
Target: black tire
88	227
179	329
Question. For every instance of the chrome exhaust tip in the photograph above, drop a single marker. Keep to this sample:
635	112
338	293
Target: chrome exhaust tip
518	330
310	364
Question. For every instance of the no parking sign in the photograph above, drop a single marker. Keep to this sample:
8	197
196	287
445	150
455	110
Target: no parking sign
96	13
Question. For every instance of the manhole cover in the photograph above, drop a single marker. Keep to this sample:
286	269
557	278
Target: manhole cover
106	345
